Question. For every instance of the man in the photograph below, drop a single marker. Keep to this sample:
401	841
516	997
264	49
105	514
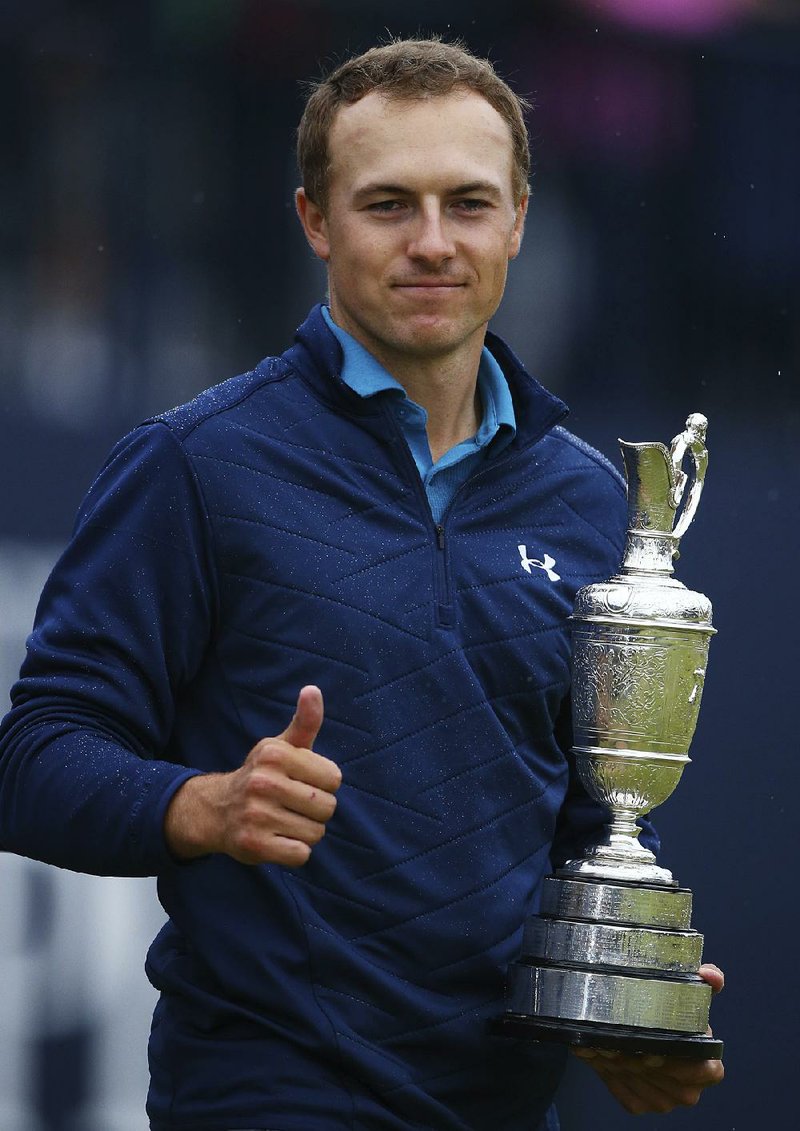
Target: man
348	518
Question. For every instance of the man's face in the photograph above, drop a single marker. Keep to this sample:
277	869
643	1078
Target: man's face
420	224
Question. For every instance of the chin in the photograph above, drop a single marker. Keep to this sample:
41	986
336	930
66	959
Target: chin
426	340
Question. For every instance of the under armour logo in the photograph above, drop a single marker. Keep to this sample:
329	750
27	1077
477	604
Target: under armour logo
546	565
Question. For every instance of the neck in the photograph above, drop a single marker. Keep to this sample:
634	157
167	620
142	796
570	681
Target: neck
447	388
451	401
444	384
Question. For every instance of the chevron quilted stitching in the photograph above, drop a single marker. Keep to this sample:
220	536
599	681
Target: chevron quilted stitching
432	911
371	614
463	835
293	646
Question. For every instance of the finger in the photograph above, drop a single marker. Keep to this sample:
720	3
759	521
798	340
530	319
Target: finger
280	776
275	839
713	975
276	850
293	826
273	764
643	1096
313	770
667	1071
640	1092
302	731
315	801
621	1091
703	1073
290	853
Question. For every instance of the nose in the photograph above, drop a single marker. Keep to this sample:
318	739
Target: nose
429	240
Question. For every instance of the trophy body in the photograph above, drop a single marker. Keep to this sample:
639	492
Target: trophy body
611	958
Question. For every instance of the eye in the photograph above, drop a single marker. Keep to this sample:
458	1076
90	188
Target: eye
385	207
472	204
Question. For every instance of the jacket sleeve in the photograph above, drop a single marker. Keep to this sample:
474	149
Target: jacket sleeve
122	624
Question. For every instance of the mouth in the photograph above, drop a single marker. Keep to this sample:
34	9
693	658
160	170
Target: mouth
429	287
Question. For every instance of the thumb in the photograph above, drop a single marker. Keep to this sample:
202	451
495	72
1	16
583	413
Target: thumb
307	720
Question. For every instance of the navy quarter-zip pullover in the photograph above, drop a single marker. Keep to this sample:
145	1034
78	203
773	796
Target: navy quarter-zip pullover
275	532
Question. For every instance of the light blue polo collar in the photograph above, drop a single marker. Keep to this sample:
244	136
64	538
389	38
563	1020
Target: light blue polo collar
366	376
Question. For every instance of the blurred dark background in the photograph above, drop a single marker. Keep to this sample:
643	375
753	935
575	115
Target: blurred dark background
149	248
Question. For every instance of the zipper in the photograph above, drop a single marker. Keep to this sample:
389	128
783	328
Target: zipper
445	609
444	597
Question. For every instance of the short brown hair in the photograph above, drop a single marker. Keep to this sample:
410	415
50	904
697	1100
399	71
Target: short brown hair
405	69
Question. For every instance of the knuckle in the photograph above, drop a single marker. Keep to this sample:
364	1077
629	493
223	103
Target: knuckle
269	752
263	784
316	834
259	750
329	772
247	845
296	855
250	818
688	1095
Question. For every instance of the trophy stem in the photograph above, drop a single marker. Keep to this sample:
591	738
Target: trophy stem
623	834
620	856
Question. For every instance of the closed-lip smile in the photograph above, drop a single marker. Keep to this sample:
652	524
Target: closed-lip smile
429	284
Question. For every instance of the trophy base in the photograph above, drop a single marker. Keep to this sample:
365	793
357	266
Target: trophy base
612	966
617	1038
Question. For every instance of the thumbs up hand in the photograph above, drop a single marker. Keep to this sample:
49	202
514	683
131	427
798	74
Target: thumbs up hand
273	809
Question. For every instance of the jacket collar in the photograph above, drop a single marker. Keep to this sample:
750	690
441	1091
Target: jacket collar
317	356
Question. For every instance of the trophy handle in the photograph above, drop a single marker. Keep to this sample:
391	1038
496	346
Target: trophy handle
691	441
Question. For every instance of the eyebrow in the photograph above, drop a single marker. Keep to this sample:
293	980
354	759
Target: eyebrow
487	188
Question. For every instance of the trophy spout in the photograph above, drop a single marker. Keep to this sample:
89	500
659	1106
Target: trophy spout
652	486
656	488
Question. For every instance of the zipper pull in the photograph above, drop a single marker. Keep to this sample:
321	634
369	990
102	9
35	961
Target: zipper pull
440	536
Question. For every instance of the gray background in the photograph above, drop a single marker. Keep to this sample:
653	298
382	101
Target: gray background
149	248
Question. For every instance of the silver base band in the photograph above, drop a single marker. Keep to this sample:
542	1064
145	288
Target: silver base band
617	999
670	908
606	944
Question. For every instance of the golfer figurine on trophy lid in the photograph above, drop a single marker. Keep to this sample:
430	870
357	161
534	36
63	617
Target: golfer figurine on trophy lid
611	960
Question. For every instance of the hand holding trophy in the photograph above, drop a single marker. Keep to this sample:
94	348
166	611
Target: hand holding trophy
611	959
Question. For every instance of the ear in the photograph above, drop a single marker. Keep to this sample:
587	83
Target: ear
515	243
314	224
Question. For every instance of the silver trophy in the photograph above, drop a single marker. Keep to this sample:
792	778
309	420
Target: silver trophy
611	959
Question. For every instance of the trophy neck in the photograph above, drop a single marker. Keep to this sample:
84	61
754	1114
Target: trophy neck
650	553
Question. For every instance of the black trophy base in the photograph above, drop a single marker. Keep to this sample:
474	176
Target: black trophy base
595	1035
